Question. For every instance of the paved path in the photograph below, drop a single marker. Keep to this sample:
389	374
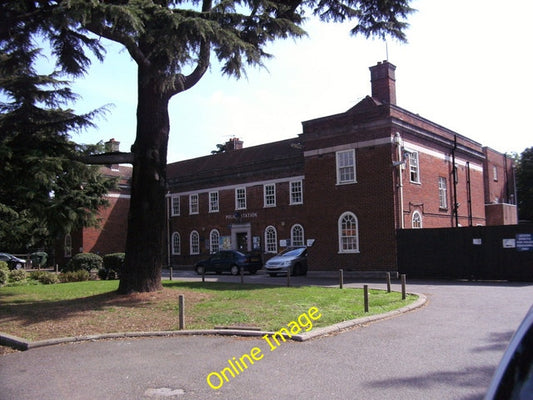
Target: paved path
446	350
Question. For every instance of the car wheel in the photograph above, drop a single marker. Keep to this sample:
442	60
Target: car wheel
18	266
297	270
234	270
253	271
200	269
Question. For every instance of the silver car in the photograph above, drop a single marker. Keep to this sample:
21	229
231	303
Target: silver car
292	259
513	378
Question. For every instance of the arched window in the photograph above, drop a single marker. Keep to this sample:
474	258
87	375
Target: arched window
214	241
416	220
271	240
297	235
195	243
348	233
176	243
68	245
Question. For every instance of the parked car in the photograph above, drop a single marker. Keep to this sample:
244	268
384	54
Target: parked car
513	378
231	261
12	261
292	259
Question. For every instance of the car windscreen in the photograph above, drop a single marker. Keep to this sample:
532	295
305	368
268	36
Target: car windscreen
293	252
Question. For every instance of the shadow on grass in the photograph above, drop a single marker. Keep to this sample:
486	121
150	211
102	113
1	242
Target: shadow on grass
219	286
29	311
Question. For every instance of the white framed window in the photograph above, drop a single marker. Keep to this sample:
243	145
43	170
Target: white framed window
271	240
443	193
214	205
297	195
269	194
214	241
195	243
348	227
175	205
495	173
416	220
297	235
68	245
240	198
346	167
193	204
176	243
414	167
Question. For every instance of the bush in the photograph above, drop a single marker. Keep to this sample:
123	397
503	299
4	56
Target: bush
74	276
113	264
44	277
84	261
17	276
39	259
4	273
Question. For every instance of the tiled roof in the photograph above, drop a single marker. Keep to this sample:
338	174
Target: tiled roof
276	159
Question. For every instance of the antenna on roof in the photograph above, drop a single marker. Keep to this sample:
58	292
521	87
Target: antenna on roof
386	50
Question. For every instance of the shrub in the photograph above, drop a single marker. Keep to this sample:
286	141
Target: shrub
44	277
17	276
84	261
74	276
4	273
39	259
113	264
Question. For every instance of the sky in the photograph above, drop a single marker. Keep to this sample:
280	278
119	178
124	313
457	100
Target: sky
467	66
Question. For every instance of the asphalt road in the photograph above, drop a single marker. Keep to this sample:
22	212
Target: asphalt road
446	350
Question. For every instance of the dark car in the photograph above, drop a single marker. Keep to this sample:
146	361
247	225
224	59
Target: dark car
292	259
12	261
231	261
513	378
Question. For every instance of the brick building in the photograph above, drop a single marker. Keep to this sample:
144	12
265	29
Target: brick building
344	186
110	237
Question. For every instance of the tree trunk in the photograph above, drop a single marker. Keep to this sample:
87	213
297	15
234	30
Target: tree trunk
146	220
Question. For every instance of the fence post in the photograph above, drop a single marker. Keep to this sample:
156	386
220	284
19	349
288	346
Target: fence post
403	287
170	273
241	270
181	300
365	290
388	282
288	276
203	275
341	278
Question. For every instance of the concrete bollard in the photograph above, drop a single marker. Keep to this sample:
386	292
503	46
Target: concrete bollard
403	287
181	303
388	282
365	290
341	278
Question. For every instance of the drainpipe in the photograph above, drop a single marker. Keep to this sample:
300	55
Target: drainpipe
400	164
455	204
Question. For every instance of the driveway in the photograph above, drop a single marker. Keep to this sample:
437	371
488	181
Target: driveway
446	350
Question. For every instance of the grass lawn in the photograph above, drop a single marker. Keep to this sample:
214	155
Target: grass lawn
36	312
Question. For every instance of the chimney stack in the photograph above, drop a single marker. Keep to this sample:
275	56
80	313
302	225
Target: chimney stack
234	144
383	81
112	146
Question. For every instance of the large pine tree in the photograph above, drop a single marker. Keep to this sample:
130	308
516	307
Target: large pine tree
172	42
45	191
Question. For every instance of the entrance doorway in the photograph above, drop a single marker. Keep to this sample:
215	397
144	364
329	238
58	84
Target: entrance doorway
242	241
241	237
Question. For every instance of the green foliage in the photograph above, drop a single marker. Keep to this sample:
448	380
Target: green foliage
17	276
74	276
113	264
44	277
39	259
4	273
524	184
84	261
